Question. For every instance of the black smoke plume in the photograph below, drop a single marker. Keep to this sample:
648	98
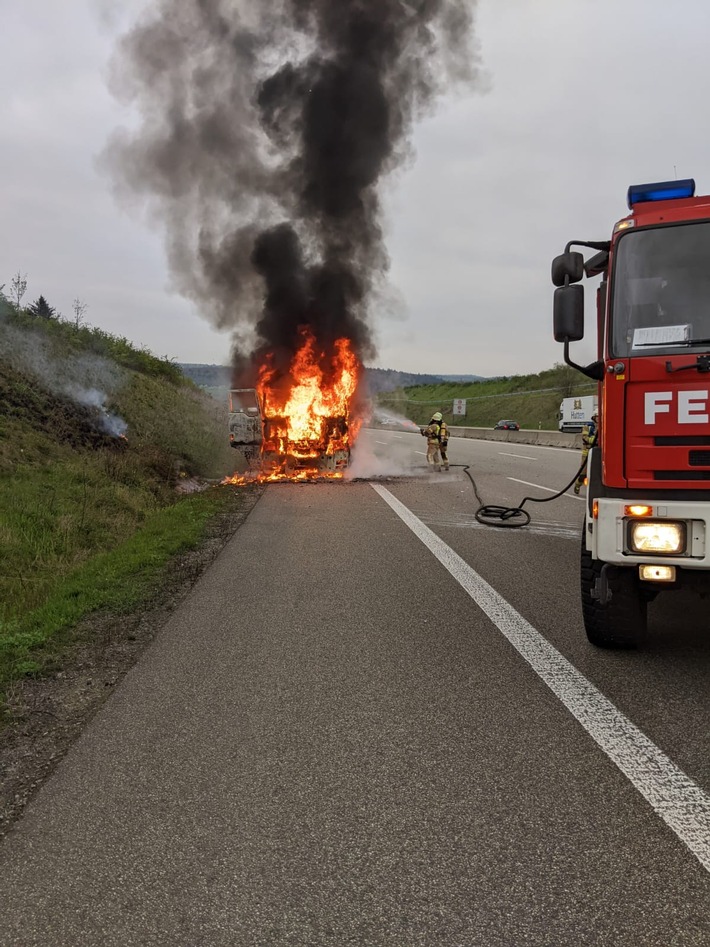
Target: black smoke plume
266	129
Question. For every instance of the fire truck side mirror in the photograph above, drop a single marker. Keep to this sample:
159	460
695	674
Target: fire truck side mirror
567	267
568	314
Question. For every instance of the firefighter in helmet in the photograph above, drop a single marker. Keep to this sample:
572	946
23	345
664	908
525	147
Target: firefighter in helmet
432	432
443	443
590	433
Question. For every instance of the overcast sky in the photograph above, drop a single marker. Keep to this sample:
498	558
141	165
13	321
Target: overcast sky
579	99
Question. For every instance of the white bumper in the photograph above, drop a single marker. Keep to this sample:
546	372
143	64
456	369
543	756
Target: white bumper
608	539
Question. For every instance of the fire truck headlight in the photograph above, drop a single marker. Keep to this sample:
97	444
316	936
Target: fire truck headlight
657	573
650	537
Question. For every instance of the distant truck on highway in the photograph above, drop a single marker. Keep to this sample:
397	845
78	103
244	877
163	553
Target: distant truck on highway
576	413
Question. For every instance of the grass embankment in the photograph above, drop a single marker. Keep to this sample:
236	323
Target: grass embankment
88	520
531	400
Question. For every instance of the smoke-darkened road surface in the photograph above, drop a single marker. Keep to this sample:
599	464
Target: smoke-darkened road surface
332	743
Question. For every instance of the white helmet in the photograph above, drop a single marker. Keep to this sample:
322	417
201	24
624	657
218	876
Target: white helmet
437	417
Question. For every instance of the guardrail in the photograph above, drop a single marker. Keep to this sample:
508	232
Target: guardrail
543	438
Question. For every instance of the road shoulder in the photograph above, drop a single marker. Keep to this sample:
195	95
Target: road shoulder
48	714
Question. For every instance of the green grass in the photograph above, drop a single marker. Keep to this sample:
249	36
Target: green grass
66	339
62	507
184	423
88	522
531	400
116	580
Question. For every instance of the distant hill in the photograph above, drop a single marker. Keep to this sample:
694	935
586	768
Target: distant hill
379	379
207	376
387	379
531	400
467	378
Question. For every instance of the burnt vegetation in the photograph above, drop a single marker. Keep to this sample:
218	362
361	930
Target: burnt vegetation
79	502
80	387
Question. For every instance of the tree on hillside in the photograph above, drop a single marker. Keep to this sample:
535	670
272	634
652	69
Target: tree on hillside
5	304
40	307
569	379
18	287
79	307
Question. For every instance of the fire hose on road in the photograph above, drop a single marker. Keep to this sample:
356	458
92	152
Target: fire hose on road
511	517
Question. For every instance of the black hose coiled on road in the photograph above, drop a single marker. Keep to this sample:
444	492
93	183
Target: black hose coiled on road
511	517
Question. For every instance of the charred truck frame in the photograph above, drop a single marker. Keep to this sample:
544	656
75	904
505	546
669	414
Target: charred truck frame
265	443
648	498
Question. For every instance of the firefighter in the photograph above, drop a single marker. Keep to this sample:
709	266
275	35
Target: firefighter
432	432
589	439
443	443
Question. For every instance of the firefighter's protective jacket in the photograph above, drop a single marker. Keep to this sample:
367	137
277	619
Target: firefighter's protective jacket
432	432
589	435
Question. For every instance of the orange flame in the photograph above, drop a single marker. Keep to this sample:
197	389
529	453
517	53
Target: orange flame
308	419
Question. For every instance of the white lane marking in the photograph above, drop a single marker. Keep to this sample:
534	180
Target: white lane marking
381	442
422	452
564	450
680	802
469	521
523	456
527	483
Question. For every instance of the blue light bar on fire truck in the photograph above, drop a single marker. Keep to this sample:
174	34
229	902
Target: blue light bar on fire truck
663	191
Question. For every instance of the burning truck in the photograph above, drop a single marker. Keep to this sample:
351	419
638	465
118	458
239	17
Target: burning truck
263	150
299	424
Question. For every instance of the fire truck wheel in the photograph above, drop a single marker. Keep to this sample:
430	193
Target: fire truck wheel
620	622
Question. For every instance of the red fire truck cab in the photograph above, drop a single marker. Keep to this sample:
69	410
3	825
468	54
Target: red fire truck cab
648	497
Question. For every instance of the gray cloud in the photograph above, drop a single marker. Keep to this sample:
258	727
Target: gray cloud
585	98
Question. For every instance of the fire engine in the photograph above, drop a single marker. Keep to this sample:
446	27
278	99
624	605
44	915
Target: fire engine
648	496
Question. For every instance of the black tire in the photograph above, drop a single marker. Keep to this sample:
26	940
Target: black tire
621	621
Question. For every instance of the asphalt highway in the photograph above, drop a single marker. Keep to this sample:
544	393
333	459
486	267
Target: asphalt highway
376	722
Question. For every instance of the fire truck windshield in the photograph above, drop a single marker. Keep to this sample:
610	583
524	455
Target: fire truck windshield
661	290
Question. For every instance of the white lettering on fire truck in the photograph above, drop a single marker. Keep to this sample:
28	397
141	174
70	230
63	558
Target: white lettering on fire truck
691	406
692	410
657	402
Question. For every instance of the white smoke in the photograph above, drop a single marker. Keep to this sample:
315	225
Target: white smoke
370	460
110	423
31	353
388	418
85	378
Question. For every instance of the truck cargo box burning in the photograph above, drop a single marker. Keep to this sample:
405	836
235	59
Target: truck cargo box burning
301	425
